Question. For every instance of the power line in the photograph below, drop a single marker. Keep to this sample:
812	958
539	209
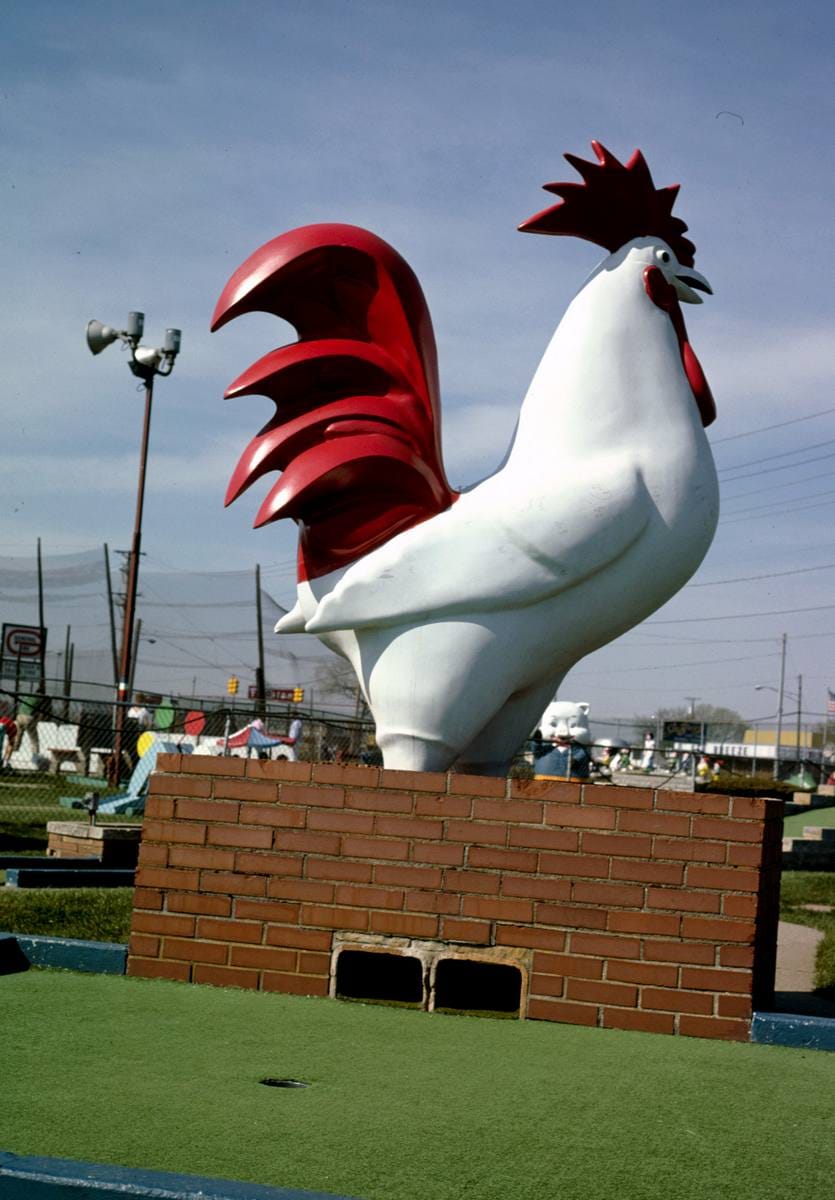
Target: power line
769	470
746	616
766	428
733	520
770	575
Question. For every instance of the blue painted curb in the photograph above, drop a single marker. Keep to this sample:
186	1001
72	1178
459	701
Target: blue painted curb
61	877
19	951
30	1178
789	1029
10	862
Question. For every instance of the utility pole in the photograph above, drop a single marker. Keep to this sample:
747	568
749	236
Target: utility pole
799	711
780	709
111	615
42	680
260	684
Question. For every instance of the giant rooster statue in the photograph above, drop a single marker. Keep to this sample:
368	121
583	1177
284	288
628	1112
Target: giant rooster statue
462	612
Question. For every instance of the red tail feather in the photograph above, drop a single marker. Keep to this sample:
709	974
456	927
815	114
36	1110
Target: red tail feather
357	424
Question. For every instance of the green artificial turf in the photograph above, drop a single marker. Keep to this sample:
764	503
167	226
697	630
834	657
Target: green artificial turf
794	825
403	1105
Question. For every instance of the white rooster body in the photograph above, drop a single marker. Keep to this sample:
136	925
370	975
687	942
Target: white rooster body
461	626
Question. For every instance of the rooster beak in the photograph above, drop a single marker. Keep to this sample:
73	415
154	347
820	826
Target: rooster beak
685	283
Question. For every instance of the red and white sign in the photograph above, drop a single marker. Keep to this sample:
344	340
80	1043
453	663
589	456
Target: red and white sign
23	641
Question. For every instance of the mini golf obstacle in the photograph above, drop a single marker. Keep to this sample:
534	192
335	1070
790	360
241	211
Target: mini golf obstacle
594	905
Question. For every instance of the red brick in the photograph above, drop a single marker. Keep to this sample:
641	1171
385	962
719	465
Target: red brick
678	952
642	972
444	806
229	931
339	869
472	881
748	807
194	951
477	833
654	822
235	883
739	906
618	797
622	895
529	887
153	856
702	980
181	786
158	807
504	860
368	897
407	876
647	872
203	859
488	909
152	968
264	958
301	939
562	1011
744	856
280	770
334	918
572	865
144	897
728	831
623	845
409	827
682	900
545	789
347	776
566	914
714	1027
434	902
687	850
545	963
524	812
144	944
379	801
175	831
717	930
207	810
736	955
189	902
734	1006
475	785
262	863
635	1019
538	939
439	853
266	910
240	835
274	814
660	924
595	992
455	930
579	818
340	821
676	1000
360	847
404	924
165	877
209	764
245	789
547	985
315	890
544	839
307	843
301	796
295	985
605	945
179	926
224	976
693	802
413	781
314	964
733	879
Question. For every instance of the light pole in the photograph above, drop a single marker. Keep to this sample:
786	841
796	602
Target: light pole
145	362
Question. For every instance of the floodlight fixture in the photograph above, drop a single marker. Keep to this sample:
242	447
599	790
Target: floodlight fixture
145	361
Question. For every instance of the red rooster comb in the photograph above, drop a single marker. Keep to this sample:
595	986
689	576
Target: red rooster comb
613	205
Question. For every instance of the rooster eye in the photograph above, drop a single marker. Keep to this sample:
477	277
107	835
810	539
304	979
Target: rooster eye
662	256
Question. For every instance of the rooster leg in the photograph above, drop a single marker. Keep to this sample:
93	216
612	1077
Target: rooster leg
491	751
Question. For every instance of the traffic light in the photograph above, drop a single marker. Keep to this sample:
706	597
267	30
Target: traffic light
298	695
232	685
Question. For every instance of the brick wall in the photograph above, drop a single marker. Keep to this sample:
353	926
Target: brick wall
638	909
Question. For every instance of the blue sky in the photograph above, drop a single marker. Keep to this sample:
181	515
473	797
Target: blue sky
149	150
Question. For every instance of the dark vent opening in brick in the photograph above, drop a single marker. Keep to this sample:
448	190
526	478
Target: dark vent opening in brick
394	978
466	986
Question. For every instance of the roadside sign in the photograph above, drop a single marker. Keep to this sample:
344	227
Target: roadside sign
285	695
22	650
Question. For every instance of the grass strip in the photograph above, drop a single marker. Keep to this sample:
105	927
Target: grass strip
799	888
403	1105
97	914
